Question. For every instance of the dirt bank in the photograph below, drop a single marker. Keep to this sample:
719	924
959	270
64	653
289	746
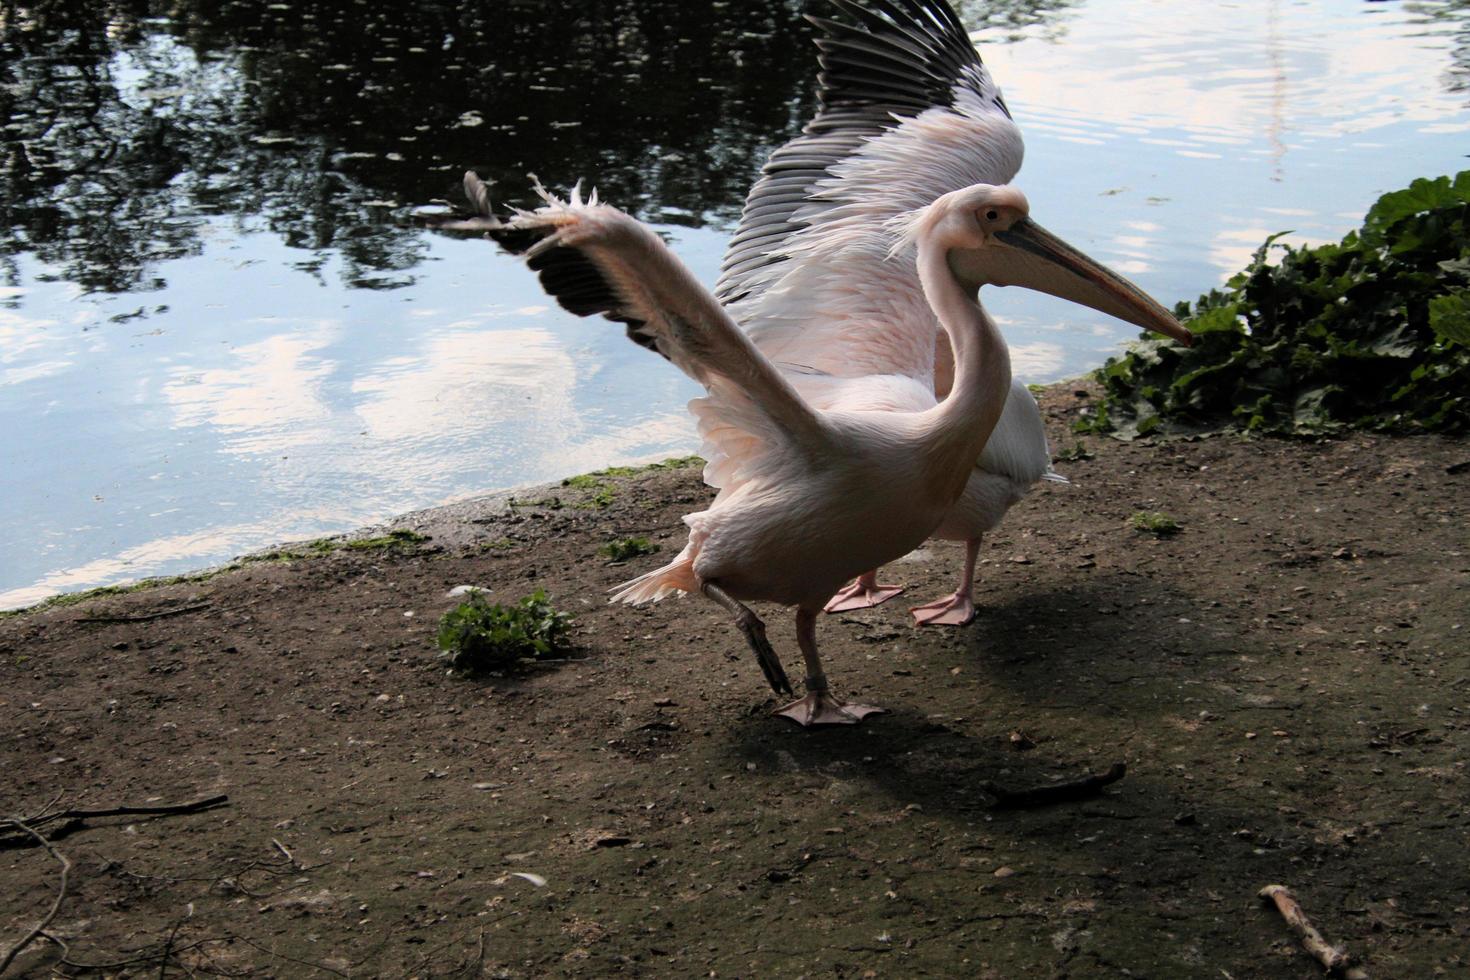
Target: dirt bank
1286	679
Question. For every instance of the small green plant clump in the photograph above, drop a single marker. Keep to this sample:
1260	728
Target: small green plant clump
622	549
599	500
1372	332
1076	454
603	492
479	635
1159	524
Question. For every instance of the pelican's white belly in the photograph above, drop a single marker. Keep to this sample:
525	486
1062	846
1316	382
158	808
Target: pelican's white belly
798	533
981	507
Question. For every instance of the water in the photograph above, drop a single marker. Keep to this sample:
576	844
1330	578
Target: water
220	329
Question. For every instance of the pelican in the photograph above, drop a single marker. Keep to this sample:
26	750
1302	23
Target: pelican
830	462
908	112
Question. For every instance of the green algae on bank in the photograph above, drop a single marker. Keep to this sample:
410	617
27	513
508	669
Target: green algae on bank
302	551
602	484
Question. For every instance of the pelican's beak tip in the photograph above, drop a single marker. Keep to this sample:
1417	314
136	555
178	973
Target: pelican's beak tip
1186	338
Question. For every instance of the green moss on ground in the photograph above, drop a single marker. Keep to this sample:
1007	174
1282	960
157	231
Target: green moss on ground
604	491
1159	524
623	549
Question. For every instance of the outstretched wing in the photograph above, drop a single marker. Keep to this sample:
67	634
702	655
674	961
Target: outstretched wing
907	113
594	259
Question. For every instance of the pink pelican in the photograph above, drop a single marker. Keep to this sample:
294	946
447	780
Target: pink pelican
908	112
861	253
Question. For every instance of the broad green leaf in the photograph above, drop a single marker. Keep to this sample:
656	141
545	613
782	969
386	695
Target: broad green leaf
1221	318
1420	196
1449	317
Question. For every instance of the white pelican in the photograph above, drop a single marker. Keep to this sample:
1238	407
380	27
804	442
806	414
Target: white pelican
908	113
827	470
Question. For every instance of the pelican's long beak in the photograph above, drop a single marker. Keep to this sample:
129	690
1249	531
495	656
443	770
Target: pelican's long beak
1029	255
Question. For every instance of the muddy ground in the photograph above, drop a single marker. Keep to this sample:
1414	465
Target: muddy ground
1286	680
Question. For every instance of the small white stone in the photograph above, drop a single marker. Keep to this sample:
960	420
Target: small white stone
462	590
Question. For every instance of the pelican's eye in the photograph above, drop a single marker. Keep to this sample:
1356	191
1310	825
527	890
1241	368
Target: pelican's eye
992	215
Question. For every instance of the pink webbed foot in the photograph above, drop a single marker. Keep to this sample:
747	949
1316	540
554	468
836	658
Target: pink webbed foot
821	708
952	610
863	593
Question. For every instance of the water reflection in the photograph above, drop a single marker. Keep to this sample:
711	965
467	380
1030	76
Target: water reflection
127	120
1449	18
1014	20
267	399
218	330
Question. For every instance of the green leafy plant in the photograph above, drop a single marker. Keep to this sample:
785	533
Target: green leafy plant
1076	454
1159	524
479	635
1372	332
622	549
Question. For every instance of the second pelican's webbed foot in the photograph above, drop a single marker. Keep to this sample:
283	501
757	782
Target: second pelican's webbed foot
952	610
862	593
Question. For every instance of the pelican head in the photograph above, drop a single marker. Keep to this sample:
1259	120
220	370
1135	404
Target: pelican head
991	240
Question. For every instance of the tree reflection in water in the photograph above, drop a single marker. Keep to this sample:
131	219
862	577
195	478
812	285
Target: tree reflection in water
126	122
1451	17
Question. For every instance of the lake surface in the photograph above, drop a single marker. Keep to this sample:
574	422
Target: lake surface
221	329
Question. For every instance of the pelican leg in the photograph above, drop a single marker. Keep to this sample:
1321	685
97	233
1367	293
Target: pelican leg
755	634
956	609
819	707
862	593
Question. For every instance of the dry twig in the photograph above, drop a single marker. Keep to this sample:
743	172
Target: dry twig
143	958
123	811
47	815
29	827
1334	959
40	927
289	959
1078	789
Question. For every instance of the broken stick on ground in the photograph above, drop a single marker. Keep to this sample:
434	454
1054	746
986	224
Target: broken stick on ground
40	927
1334	959
50	815
28	827
1078	789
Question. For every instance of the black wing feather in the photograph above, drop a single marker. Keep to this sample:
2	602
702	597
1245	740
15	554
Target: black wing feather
896	58
566	274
